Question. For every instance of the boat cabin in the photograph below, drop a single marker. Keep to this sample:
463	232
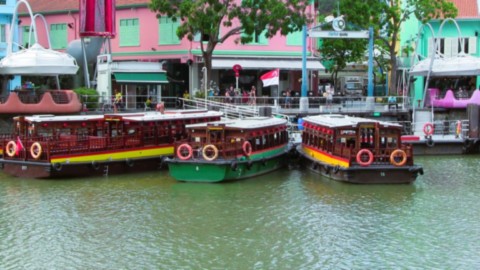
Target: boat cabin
356	141
233	138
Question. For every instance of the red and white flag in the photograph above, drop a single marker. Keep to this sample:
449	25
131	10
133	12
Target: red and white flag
271	77
19	146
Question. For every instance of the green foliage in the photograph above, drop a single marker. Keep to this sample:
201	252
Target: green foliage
88	96
241	19
200	94
386	18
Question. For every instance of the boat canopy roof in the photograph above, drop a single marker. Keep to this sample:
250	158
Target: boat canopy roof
340	121
157	116
61	118
140	117
245	123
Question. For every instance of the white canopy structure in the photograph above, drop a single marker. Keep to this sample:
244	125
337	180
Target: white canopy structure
35	60
460	65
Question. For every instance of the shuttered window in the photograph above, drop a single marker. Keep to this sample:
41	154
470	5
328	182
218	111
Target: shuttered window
167	31
294	39
452	46
3	34
129	32
58	36
25	42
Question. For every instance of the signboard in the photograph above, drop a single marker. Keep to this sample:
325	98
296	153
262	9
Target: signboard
337	34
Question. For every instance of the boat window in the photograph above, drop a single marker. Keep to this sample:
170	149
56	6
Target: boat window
44	132
63	131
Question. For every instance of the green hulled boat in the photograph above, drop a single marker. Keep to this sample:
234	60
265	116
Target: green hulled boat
230	150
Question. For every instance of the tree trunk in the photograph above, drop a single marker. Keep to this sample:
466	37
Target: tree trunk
392	84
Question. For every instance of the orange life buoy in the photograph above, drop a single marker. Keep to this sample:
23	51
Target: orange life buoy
398	153
36	150
360	157
205	152
428	129
181	151
11	148
247	148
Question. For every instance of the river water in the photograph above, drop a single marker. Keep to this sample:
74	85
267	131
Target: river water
289	219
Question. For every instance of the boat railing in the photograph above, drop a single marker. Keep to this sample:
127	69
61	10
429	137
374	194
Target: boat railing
225	150
444	128
381	156
73	144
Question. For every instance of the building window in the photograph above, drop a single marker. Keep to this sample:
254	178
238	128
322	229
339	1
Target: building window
453	46
25	37
294	39
167	31
58	36
3	34
259	38
129	32
3	2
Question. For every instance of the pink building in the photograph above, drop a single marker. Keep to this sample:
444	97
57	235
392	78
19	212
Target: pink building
141	36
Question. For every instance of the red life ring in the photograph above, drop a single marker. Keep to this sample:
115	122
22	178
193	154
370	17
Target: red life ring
181	151
360	156
247	148
398	153
428	129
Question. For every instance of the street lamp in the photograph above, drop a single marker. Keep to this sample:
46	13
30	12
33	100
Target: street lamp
205	84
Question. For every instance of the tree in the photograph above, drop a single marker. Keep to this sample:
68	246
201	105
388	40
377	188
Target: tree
386	17
244	19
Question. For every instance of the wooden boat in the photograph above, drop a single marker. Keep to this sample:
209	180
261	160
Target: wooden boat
230	150
50	146
357	150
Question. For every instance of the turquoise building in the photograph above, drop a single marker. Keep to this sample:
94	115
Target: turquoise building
468	20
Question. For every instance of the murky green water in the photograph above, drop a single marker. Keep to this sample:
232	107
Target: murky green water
289	219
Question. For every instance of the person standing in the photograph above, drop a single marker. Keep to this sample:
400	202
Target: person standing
117	102
253	94
288	99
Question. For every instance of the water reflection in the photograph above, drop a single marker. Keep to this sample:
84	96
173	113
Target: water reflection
289	219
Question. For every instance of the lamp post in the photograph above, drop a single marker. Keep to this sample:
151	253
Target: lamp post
205	83
236	69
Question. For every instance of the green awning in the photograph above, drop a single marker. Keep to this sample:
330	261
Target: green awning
141	77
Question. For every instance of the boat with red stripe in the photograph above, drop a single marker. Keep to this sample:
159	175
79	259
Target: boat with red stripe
48	146
357	150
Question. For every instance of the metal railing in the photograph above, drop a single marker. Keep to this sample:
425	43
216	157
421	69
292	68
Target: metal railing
242	106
